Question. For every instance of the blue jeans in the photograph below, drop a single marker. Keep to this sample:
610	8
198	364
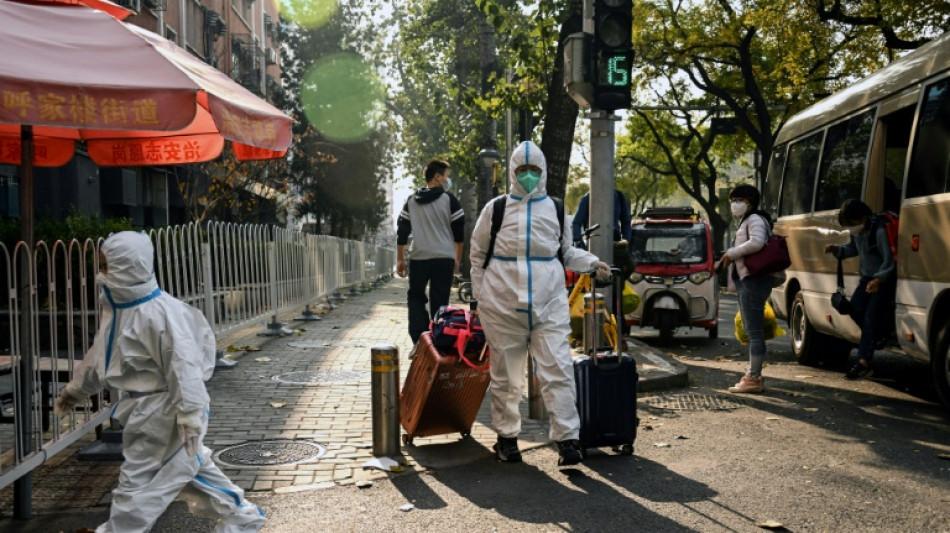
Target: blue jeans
753	293
874	313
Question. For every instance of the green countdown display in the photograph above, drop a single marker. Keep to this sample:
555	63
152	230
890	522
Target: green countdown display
613	69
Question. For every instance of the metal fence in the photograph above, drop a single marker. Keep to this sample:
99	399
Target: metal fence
235	274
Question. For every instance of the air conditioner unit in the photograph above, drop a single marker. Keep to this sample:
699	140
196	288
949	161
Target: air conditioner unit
271	56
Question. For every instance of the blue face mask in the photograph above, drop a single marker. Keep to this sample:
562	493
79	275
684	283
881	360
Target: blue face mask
528	180
448	184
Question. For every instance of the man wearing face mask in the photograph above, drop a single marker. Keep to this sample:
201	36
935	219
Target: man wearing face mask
436	221
158	351
523	306
872	304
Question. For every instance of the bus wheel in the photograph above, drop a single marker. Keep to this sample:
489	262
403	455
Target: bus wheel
808	344
940	366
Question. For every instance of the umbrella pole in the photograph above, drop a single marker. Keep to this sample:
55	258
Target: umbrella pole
23	487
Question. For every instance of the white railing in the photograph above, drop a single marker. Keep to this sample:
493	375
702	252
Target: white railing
236	274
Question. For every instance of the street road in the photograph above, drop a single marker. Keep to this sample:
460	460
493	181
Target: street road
815	453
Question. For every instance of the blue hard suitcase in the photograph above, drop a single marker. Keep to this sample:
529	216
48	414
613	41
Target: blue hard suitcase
606	383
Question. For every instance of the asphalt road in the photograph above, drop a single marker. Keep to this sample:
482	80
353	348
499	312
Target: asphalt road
814	453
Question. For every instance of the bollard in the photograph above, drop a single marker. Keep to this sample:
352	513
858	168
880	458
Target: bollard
593	322
385	392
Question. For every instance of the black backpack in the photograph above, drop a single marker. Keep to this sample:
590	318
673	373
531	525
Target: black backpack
498	213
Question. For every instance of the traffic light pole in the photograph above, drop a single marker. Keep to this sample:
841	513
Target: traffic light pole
601	206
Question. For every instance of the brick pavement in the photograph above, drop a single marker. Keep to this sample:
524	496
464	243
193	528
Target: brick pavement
336	415
249	406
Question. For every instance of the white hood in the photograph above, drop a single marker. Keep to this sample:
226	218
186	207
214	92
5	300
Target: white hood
528	153
130	272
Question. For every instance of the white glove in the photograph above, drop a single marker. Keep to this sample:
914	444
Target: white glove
189	431
602	271
65	403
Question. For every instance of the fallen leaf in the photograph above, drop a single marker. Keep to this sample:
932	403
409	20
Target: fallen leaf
249	348
662	444
681	437
648	427
397	468
233	348
406	507
770	524
278	404
263	359
723	358
805	376
944	456
364	484
772	418
811	409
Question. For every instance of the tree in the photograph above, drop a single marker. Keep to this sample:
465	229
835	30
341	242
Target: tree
759	61
335	171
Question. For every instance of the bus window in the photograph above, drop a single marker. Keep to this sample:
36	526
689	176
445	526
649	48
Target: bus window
773	181
844	161
931	155
897	127
799	177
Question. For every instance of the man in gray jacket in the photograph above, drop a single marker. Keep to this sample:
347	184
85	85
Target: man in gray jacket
436	221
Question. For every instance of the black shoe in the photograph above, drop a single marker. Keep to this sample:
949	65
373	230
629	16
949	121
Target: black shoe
570	452
859	371
507	450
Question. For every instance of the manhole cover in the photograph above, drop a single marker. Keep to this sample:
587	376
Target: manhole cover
319	378
695	402
270	453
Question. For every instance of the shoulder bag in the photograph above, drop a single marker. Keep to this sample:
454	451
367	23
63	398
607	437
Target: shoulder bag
773	257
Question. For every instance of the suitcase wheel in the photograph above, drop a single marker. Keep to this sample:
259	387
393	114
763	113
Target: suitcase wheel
466	434
626	449
406	440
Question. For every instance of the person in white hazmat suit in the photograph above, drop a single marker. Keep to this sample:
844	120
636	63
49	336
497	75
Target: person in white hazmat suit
158	352
522	305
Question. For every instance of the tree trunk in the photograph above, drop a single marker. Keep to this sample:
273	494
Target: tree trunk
560	111
488	65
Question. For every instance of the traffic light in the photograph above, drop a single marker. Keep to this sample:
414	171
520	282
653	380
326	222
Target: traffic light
613	53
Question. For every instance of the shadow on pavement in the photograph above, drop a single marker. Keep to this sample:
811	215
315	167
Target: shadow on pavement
569	498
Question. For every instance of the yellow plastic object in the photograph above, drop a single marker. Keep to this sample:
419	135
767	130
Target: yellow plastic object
772	329
576	303
630	300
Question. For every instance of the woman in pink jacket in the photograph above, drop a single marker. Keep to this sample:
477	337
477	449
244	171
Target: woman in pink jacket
751	235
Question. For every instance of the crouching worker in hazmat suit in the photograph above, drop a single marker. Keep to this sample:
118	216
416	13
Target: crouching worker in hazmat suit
158	352
523	306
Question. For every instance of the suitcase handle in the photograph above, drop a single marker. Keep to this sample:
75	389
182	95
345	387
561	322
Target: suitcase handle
618	282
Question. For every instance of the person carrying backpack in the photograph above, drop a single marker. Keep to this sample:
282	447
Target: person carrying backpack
872	304
519	284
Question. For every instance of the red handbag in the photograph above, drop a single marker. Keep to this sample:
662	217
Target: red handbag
773	257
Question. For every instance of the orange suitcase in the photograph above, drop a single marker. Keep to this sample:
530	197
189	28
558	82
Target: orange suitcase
442	392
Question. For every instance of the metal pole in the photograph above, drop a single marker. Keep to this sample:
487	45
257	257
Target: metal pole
23	487
384	363
275	328
209	289
601	206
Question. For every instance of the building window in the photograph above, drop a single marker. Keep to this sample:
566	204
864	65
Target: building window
194	16
243	8
171	35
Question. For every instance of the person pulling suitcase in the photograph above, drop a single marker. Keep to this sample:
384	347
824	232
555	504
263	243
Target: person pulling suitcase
518	280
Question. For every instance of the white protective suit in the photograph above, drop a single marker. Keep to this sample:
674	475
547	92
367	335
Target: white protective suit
522	301
158	352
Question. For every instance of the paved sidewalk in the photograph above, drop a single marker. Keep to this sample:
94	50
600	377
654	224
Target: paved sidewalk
323	426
